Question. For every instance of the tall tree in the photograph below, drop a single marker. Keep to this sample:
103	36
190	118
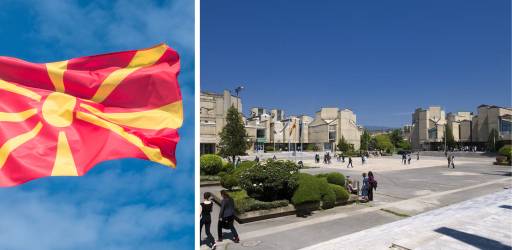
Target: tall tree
383	142
396	137
343	145
233	137
492	141
450	140
365	140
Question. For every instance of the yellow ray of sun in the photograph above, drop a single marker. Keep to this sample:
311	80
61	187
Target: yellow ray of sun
153	154
19	90
17	117
64	163
168	116
13	143
56	73
143	58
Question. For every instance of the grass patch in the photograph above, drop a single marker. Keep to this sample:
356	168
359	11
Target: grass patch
395	213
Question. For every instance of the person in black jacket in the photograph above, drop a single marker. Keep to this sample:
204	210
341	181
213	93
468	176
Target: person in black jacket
206	219
227	216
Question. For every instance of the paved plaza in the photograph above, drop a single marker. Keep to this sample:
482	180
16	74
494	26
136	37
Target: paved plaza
404	192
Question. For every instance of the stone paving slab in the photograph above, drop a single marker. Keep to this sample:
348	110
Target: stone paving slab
480	223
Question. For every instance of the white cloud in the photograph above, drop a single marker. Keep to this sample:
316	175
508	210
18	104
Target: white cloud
111	209
98	25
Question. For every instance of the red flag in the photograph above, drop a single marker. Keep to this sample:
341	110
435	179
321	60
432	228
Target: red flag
62	118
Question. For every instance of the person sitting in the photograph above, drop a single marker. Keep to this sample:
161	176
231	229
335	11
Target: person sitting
351	188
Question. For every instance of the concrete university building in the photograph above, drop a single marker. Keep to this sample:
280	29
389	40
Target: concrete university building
428	128
272	130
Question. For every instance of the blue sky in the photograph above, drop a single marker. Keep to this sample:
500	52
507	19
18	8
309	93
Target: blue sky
382	59
125	204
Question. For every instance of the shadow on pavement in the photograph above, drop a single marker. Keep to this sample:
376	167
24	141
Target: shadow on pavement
472	239
499	172
506	206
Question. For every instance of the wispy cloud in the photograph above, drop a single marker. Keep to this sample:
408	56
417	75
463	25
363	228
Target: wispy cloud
75	26
112	208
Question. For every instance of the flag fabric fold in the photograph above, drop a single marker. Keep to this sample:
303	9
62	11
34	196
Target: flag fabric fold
62	118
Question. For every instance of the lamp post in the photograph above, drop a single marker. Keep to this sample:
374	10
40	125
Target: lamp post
237	92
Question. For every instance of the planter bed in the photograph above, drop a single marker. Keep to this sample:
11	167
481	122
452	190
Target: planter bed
264	214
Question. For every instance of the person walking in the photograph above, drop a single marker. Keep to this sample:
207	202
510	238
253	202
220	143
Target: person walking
409	159
451	161
418	156
350	162
372	185
274	158
343	158
206	219
227	216
365	187
403	158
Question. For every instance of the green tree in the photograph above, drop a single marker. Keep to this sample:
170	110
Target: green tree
450	140
365	140
343	145
396	137
233	136
383	142
492	141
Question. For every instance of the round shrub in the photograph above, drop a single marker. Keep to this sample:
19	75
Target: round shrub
506	151
340	192
307	191
210	164
270	180
336	178
228	167
328	197
228	181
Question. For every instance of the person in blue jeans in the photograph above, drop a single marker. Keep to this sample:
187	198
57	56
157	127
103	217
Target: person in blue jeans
227	216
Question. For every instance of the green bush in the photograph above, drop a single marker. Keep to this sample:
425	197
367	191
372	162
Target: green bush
270	180
506	151
340	192
229	181
336	178
308	190
210	178
228	167
210	164
244	203
269	148
328	197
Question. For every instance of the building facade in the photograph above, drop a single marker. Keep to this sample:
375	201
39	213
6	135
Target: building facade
468	129
427	127
330	125
213	111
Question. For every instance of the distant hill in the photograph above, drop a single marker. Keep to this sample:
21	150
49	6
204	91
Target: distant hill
371	128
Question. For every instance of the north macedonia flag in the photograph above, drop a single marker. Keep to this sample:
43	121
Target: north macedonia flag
62	118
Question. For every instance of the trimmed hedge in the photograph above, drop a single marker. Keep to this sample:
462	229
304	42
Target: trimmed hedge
210	164
228	181
340	192
336	178
244	203
506	151
328	197
307	192
333	178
